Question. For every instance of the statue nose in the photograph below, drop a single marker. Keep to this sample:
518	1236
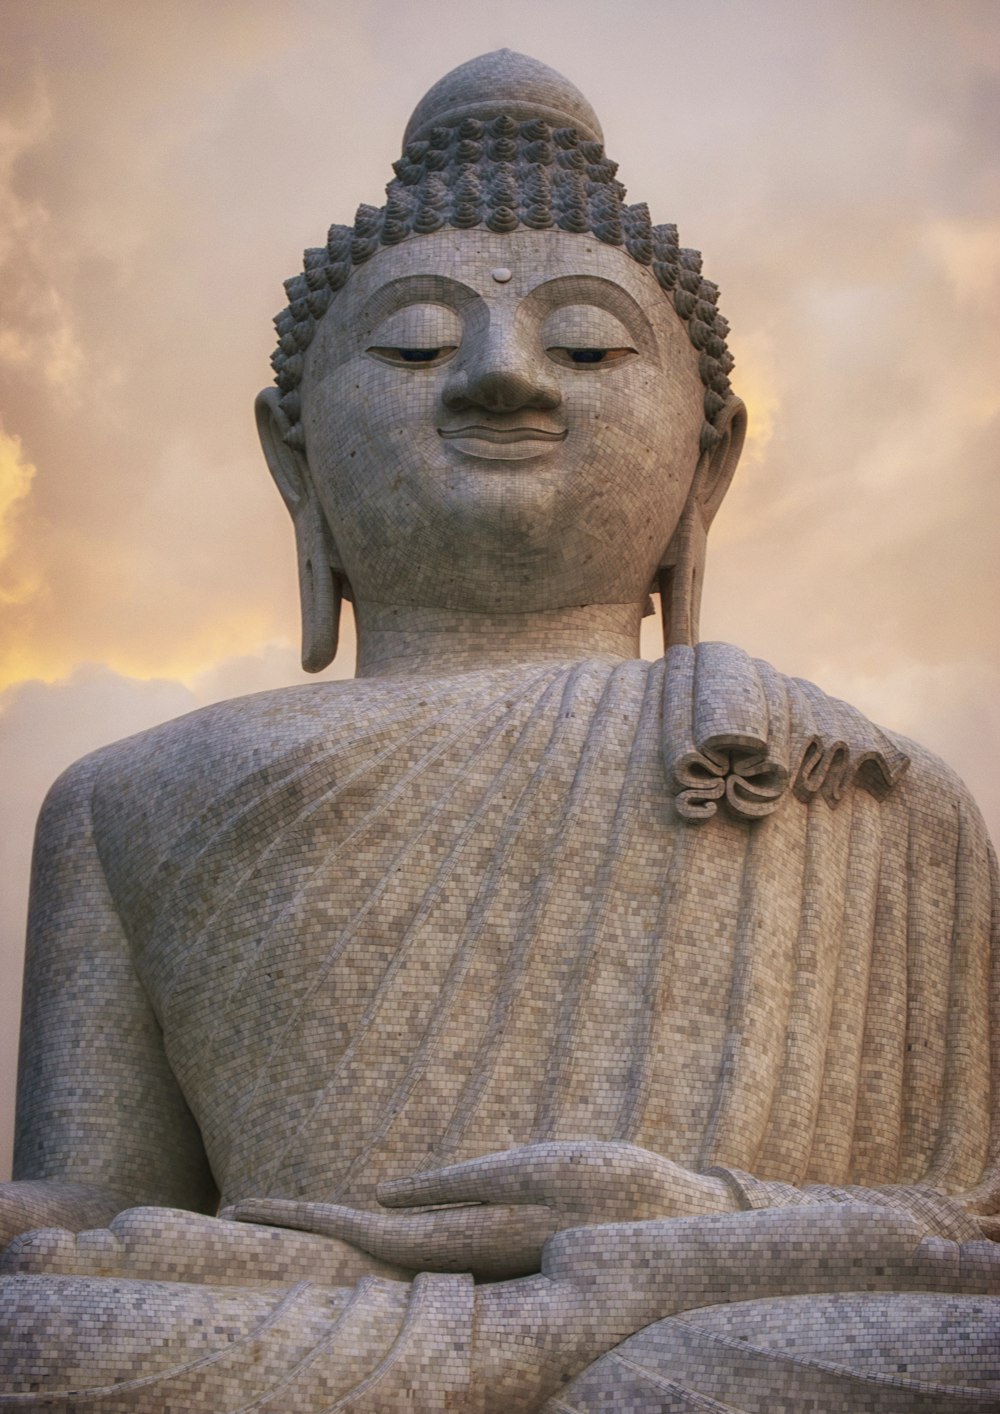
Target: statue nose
500	379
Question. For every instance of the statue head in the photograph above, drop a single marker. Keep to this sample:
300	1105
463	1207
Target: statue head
505	390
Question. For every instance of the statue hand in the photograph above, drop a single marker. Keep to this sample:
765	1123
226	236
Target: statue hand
27	1204
496	1242
582	1181
513	1202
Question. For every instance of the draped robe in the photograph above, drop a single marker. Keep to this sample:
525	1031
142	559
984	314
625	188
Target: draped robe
384	926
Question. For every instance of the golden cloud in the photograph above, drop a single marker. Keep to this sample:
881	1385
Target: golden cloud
757	382
969	253
16	476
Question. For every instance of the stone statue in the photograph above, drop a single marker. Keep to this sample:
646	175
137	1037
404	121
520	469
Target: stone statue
554	1029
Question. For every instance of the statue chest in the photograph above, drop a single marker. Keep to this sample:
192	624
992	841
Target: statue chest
447	923
451	951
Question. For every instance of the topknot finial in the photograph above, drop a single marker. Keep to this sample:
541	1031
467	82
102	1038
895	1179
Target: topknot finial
503	82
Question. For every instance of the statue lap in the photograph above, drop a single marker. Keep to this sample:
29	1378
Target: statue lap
846	1353
126	1344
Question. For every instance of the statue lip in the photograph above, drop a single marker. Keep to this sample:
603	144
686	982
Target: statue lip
483	433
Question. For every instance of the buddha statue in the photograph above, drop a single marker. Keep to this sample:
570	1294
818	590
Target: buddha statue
521	1025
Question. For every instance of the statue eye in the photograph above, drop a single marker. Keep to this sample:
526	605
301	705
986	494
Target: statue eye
587	358
415	336
412	357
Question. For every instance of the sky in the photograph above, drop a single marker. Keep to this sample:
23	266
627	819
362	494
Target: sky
164	162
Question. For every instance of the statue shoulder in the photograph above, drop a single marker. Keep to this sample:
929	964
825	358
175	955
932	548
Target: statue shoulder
160	779
739	733
934	788
925	780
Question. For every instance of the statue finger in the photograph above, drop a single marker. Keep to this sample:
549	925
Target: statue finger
569	1175
326	1219
490	1241
368	1231
529	1173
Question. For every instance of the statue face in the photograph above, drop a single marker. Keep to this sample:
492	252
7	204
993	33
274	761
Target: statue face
501	422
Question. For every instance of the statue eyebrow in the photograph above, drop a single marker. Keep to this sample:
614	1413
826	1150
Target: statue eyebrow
597	292
429	287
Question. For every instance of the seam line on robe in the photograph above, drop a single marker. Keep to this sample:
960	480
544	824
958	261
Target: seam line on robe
464	956
295	1020
777	1358
163	1376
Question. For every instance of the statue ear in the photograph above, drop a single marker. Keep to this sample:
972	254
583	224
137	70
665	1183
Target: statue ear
682	570
717	465
320	575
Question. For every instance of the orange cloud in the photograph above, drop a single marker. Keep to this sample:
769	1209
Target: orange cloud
758	382
16	476
969	253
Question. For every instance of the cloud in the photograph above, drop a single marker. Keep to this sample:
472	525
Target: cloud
760	388
16	476
143	265
969	252
36	332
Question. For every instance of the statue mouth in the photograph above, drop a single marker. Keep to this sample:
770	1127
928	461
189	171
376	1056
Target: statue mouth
503	436
479	441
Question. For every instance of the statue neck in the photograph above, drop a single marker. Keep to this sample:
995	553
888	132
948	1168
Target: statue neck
396	640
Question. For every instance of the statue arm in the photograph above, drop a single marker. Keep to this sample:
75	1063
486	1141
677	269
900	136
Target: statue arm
938	1214
101	1122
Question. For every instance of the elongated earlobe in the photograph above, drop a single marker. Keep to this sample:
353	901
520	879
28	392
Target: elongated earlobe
681	572
680	578
321	581
320	590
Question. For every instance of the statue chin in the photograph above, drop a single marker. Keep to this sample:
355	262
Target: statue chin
522	1025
